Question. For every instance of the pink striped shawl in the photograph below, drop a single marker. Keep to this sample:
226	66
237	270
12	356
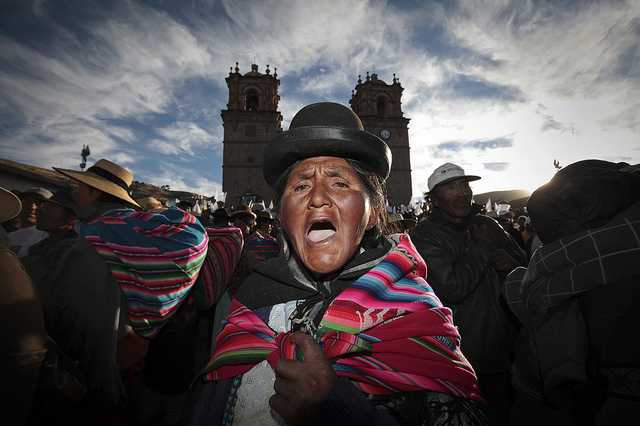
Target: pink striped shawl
154	257
387	332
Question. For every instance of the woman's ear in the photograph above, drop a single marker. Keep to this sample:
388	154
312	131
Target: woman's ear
373	217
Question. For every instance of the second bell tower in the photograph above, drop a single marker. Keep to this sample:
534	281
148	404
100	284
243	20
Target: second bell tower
378	105
250	121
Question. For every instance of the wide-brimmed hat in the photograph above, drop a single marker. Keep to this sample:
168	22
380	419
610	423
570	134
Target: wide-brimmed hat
9	205
446	173
242	210
325	129
63	197
107	177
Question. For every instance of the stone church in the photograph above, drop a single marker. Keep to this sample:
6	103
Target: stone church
252	119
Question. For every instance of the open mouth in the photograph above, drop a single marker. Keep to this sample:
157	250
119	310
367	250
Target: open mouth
320	231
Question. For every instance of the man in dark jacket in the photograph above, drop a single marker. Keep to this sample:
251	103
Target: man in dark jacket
468	256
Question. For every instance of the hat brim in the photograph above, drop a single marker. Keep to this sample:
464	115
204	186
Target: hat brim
235	215
316	141
10	205
468	178
99	183
409	223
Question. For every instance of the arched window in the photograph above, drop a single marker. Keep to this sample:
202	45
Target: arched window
251	100
382	106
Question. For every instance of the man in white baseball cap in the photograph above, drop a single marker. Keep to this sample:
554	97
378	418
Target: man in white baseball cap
468	257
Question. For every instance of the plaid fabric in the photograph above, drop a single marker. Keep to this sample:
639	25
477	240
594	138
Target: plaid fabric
225	248
387	332
572	265
154	257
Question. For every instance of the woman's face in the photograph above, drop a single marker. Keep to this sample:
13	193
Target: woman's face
325	211
86	194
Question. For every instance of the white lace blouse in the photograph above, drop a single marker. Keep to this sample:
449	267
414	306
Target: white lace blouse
252	406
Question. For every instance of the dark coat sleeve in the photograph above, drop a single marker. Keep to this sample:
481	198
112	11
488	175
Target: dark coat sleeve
456	263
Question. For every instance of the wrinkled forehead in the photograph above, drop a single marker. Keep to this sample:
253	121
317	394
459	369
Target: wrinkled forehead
330	166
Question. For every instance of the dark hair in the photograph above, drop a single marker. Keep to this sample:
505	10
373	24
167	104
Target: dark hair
376	192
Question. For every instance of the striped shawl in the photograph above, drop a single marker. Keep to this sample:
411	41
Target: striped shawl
387	332
154	257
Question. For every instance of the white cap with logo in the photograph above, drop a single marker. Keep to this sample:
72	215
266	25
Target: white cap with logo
447	173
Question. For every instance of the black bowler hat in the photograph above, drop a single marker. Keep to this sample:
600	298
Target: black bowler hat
325	128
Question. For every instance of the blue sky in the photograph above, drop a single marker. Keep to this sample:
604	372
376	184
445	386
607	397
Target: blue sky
500	87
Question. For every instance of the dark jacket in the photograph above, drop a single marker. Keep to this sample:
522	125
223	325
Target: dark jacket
459	271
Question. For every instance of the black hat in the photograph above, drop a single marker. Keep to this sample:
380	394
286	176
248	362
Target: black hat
63	197
221	213
184	203
325	128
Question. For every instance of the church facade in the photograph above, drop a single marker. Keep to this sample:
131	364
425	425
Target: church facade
252	119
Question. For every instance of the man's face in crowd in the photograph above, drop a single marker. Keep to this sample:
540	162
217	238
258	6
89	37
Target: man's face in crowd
30	205
453	199
53	217
244	227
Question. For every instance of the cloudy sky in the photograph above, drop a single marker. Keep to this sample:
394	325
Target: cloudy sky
502	88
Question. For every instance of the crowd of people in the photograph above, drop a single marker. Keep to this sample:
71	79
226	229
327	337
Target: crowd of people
328	309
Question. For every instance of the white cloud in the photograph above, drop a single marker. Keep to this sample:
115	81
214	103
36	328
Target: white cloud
146	83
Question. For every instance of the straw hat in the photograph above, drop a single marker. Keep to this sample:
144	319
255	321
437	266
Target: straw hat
149	203
320	129
9	205
107	177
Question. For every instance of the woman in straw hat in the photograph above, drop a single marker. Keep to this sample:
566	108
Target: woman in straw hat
122	280
342	327
23	339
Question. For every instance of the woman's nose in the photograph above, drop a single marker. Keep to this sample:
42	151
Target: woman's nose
318	196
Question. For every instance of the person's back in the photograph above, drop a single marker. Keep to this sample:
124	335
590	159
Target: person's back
577	354
122	281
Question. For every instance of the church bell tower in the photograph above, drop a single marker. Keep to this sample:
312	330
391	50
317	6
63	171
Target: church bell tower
378	105
250	121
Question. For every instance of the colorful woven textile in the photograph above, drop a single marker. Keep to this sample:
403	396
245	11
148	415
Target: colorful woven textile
225	248
154	257
263	247
387	332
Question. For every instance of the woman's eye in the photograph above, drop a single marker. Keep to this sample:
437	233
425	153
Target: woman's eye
342	184
300	187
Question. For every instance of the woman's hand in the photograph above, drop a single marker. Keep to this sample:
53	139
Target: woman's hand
302	385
